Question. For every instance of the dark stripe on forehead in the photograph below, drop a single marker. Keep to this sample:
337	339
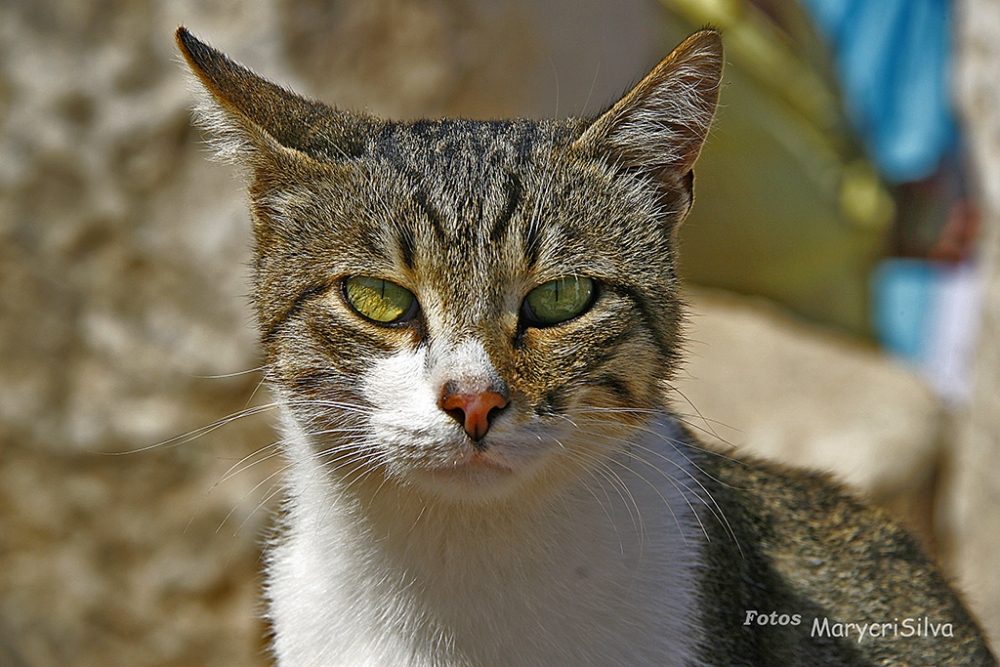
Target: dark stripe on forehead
524	145
512	193
433	216
533	231
532	238
404	240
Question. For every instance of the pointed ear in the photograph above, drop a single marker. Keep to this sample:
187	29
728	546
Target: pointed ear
658	128
251	116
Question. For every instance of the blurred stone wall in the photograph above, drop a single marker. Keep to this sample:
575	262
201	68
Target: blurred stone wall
121	275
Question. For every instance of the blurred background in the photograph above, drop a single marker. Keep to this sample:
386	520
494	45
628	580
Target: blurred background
841	259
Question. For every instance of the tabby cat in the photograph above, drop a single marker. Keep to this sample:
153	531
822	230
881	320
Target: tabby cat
471	328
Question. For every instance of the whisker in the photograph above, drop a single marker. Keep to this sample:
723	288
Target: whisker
260	383
256	486
609	509
193	435
598	464
229	375
687	400
705	496
238	467
275	490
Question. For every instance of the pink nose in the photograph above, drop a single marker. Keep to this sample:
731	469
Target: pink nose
472	411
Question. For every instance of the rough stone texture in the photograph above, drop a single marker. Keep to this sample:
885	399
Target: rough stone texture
971	508
121	265
757	381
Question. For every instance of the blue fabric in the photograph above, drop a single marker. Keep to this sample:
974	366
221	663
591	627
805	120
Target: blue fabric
902	305
893	60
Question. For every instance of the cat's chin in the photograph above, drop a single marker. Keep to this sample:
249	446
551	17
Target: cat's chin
479	476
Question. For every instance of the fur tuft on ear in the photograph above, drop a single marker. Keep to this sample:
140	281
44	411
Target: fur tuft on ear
658	128
248	114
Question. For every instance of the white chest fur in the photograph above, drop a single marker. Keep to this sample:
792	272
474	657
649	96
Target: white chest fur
371	574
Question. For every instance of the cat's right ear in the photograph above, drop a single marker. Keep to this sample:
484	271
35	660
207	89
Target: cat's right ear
255	121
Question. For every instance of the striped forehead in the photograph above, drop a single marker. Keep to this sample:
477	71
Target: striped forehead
470	247
462	225
467	194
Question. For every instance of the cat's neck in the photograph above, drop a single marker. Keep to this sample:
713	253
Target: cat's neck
373	547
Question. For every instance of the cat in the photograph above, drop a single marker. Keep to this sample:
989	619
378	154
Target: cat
471	328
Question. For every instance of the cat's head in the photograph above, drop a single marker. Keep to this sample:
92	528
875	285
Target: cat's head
468	307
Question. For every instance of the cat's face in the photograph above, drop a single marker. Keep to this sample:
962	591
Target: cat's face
468	307
455	234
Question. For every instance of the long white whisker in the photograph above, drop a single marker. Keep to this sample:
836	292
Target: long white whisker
256	486
247	462
193	435
707	498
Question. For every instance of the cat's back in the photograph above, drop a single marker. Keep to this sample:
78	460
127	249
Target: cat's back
798	571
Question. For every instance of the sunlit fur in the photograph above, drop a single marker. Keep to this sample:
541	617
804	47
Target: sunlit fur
587	527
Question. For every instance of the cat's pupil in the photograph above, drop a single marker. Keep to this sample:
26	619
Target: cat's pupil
558	300
380	300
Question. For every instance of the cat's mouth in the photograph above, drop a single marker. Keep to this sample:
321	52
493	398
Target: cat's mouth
485	460
477	461
471	473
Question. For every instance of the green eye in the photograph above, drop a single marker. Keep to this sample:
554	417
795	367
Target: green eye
380	300
558	300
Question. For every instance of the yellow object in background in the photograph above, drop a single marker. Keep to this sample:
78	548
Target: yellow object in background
786	204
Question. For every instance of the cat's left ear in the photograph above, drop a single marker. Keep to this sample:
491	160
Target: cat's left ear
658	128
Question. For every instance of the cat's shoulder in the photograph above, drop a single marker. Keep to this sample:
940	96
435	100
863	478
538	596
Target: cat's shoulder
805	520
797	569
